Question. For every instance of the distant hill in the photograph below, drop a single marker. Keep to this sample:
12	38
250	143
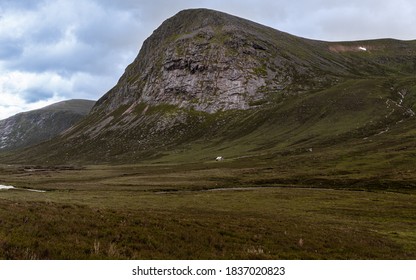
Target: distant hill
29	128
209	84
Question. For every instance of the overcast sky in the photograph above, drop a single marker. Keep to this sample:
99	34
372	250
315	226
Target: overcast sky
52	50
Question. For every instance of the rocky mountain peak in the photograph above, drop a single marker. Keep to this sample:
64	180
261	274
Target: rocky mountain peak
208	61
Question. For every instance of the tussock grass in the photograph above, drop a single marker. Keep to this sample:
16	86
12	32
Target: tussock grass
179	217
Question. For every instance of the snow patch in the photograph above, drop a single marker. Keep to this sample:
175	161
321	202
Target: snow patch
362	49
3	187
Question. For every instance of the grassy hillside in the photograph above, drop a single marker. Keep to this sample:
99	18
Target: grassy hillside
367	122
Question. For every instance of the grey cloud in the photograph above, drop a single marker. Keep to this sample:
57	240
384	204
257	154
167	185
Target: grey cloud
95	44
79	58
112	29
36	94
10	49
47	34
21	4
353	20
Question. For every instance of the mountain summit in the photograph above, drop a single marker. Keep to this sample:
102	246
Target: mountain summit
210	61
206	83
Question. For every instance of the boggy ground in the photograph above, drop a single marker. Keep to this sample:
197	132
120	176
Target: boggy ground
214	210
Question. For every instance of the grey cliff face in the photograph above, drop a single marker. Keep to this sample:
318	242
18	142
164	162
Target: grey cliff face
204	76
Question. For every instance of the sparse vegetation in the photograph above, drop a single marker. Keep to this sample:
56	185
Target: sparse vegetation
164	212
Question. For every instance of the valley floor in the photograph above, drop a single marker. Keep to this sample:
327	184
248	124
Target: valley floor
207	211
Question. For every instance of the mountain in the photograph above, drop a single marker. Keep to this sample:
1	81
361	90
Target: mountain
33	127
206	83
